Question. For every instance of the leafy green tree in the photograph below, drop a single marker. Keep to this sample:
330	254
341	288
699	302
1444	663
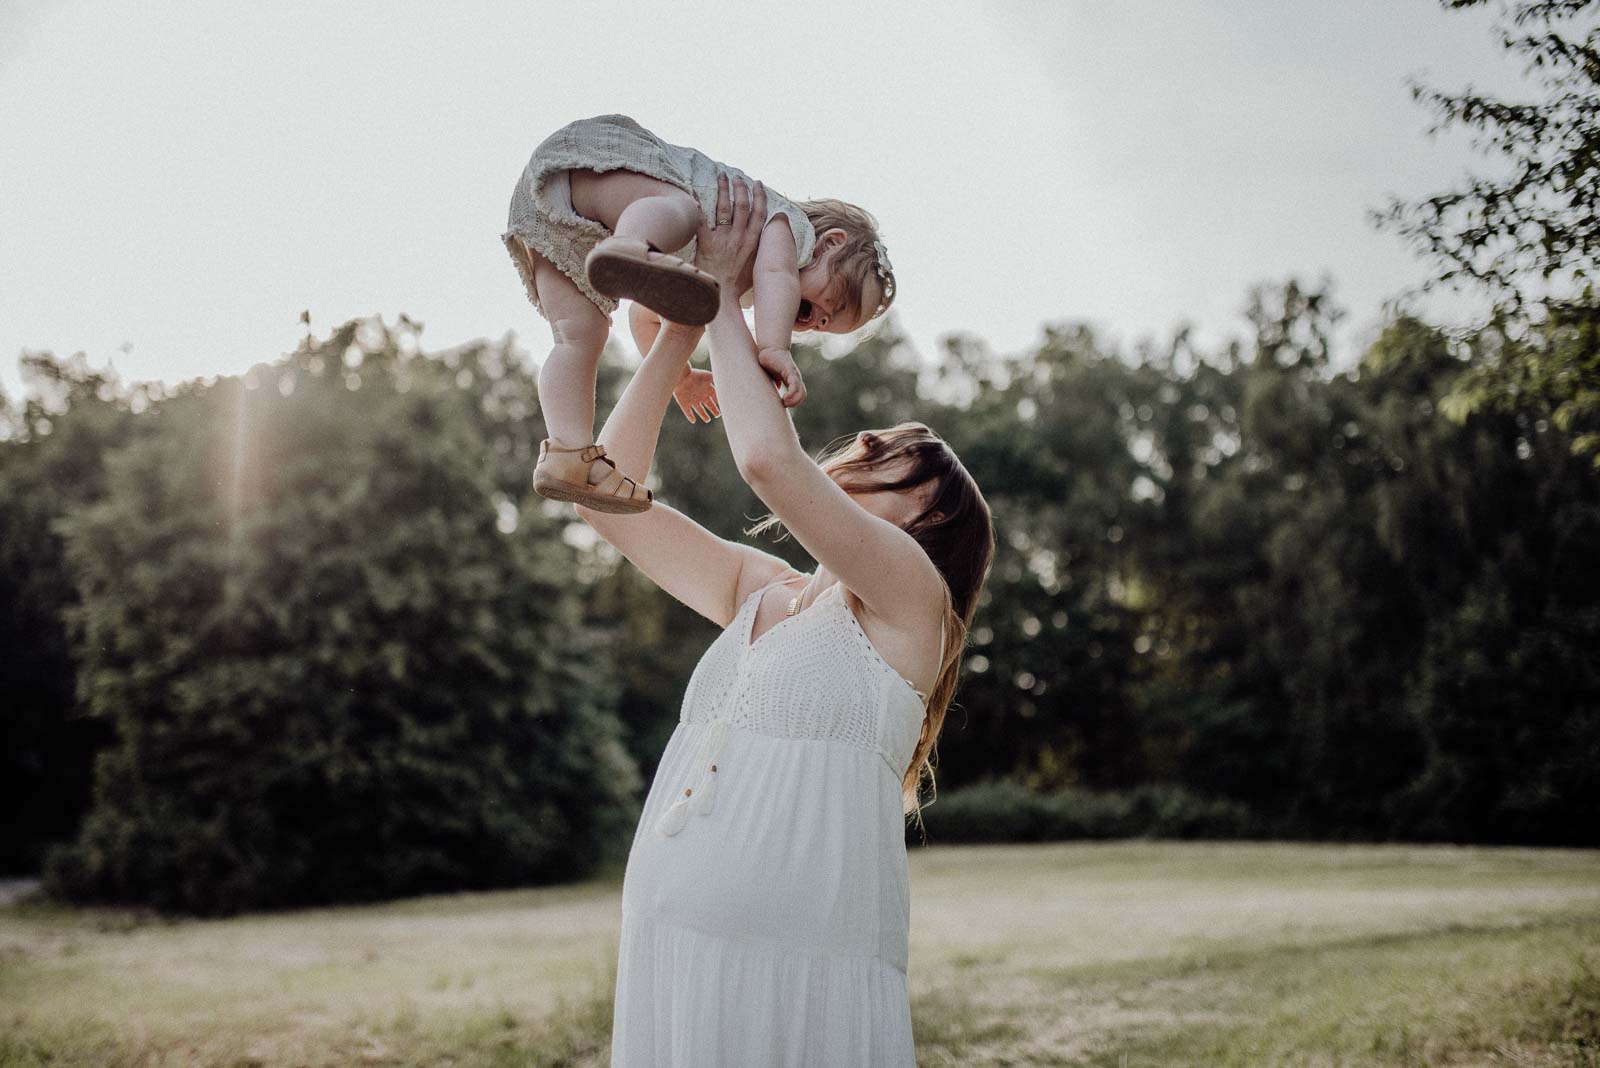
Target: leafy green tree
1529	238
337	671
1047	436
1495	526
52	450
1321	586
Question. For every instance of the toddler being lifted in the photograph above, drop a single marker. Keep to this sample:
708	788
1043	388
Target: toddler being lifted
605	209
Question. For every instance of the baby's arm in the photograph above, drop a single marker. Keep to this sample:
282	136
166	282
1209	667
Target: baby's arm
777	300
777	285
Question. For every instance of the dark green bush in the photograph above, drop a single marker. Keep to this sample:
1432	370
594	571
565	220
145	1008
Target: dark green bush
1003	810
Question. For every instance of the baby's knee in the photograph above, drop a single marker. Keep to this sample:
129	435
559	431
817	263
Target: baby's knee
688	206
584	333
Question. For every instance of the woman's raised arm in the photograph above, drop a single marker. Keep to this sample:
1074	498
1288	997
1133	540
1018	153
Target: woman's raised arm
705	572
876	560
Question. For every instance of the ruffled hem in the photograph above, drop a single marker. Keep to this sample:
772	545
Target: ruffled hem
689	999
553	229
549	250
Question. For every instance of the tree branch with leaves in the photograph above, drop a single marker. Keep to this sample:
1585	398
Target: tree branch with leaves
1528	238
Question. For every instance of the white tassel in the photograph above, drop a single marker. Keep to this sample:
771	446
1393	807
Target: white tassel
673	819
703	802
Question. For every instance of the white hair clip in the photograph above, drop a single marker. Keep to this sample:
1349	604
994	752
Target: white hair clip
885	271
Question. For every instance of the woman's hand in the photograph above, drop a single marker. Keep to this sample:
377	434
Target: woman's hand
728	251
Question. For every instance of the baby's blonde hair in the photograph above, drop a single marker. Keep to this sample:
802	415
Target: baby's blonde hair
860	258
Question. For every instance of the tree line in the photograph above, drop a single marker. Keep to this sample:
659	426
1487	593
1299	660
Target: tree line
306	634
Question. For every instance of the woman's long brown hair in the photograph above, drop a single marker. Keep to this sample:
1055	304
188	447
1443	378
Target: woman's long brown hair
957	533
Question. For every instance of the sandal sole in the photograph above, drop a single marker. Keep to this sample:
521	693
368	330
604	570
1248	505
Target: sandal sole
670	293
555	489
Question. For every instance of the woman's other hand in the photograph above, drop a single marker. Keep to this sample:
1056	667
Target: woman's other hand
727	251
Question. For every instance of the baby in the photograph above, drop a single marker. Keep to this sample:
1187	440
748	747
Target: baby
605	209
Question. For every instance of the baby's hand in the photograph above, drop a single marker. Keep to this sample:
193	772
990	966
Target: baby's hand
780	365
697	395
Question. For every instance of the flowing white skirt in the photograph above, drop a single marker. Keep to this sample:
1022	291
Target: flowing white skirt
771	931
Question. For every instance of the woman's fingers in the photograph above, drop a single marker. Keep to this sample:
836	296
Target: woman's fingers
724	209
741	204
741	209
750	215
758	204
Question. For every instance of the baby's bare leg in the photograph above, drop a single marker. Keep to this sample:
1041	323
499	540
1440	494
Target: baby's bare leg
631	204
566	379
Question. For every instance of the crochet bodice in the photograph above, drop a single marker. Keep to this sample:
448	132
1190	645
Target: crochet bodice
814	675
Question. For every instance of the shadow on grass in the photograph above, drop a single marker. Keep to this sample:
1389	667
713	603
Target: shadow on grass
949	1028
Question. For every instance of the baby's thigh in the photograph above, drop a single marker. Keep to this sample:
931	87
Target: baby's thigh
603	196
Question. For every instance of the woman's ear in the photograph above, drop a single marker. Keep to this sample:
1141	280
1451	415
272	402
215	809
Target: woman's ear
831	239
869	441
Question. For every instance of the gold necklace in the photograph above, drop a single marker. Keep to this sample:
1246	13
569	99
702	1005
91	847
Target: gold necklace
794	602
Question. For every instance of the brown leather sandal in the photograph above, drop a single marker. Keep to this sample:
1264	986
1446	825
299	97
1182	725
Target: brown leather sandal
627	267
562	474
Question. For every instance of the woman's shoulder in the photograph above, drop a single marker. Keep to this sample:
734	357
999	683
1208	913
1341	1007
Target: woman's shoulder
910	651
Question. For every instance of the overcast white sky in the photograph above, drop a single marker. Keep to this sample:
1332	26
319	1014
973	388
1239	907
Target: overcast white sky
182	177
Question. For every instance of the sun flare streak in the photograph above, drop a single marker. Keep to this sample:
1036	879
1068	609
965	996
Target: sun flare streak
241	434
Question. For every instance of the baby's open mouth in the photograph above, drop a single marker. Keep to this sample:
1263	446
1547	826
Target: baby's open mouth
803	319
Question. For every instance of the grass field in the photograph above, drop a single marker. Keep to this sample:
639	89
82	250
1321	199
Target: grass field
1103	955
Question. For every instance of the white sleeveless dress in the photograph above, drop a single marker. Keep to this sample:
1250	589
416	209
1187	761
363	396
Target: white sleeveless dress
765	919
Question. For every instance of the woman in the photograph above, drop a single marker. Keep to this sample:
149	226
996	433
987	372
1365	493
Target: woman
766	902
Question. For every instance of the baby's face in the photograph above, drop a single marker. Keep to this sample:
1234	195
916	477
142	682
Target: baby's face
824	301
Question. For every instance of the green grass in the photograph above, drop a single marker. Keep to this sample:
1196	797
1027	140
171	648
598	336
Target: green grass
1119	955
